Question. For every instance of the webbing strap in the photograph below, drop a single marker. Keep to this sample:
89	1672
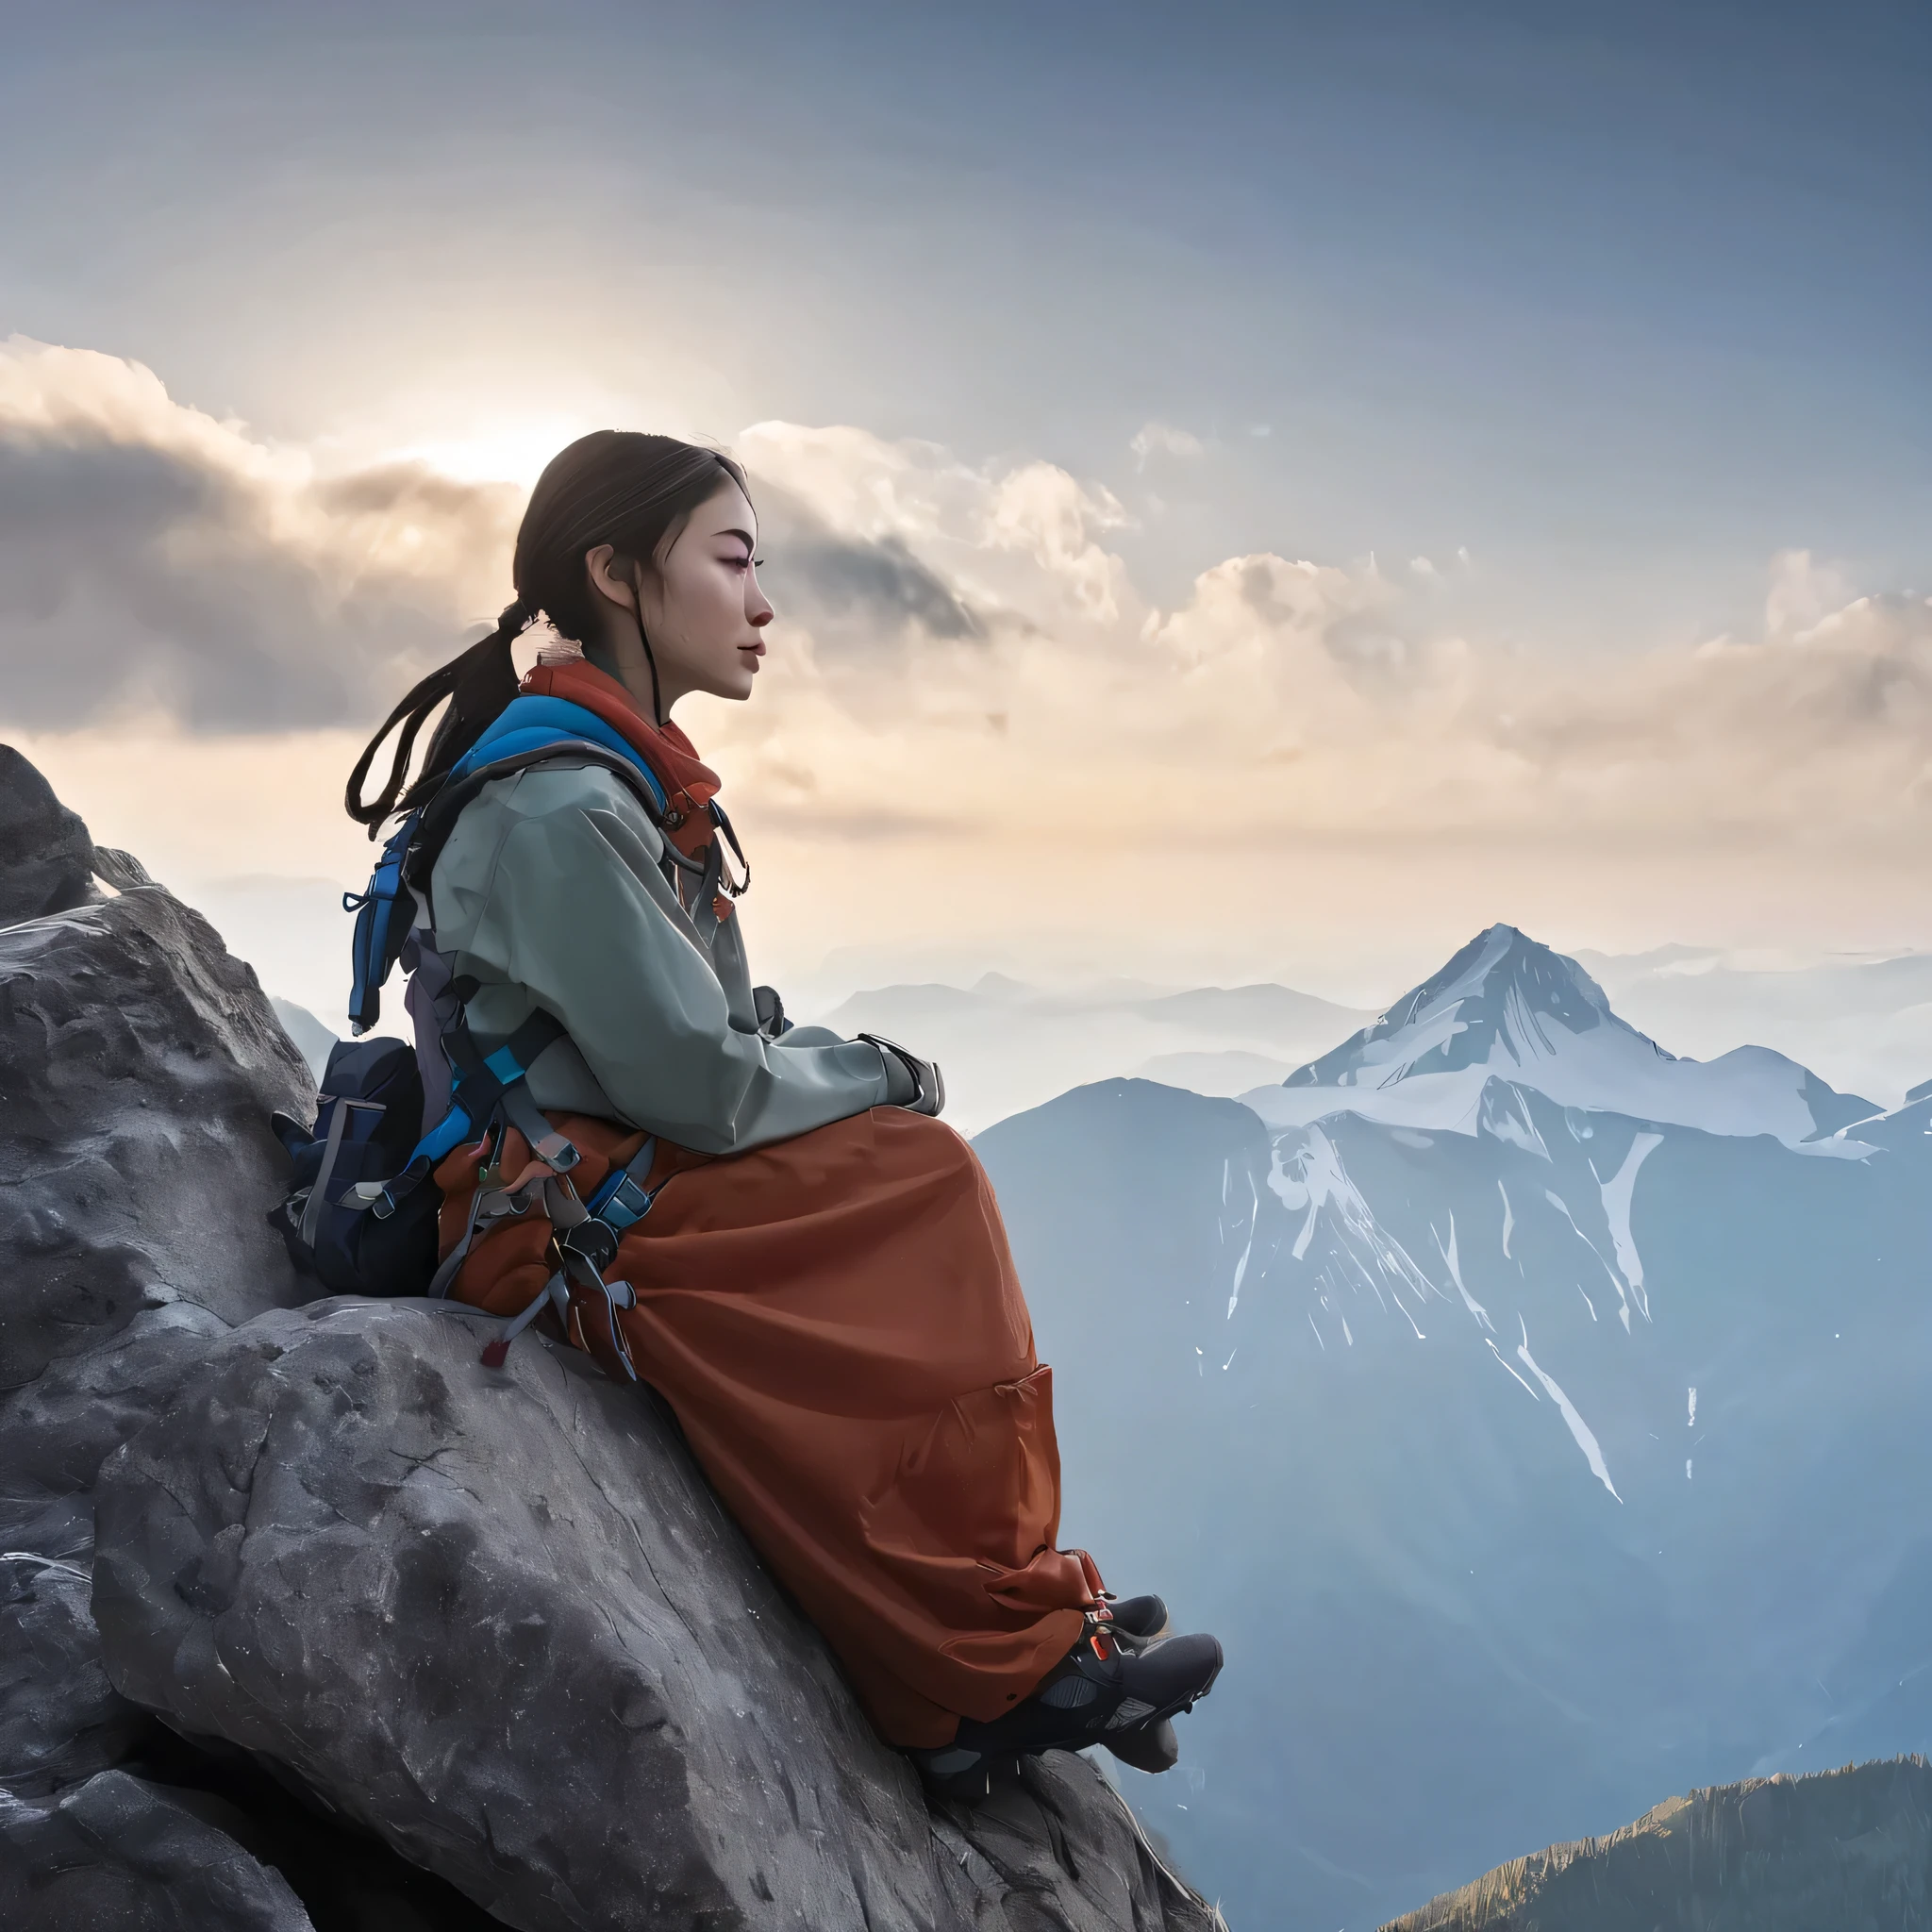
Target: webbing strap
497	1083
703	907
487	1206
522	1050
576	1268
311	1210
318	1195
450	1131
484	1088
561	1204
535	723
546	1143
583	1244
623	1199
552	1291
737	888
446	1272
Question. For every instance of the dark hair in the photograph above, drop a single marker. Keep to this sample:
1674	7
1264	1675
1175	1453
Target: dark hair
614	485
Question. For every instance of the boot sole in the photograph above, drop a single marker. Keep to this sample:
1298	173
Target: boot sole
1142	1749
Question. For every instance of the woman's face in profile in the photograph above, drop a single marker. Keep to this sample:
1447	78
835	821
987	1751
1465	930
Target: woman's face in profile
703	611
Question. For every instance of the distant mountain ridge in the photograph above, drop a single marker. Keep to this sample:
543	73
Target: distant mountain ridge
1840	1848
1863	1023
1007	1046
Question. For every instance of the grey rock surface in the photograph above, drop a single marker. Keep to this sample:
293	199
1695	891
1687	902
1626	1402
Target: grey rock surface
498	1617
46	857
55	1430
118	1855
60	1721
1046	1849
139	1064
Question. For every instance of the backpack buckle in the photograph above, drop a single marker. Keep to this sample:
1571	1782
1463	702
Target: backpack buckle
591	1240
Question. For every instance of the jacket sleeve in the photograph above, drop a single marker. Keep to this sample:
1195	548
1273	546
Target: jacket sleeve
565	900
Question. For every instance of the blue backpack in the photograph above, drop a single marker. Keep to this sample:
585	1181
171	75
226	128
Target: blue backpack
360	1216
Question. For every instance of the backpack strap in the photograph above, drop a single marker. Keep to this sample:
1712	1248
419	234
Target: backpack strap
318	1193
487	1088
622	1200
379	934
439	817
529	731
497	1083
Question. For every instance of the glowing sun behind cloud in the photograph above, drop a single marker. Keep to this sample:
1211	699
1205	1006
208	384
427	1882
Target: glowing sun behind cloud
507	450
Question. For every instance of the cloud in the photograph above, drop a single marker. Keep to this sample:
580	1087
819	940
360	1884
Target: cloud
853	588
1312	700
1164	439
1026	538
1820	728
155	560
963	651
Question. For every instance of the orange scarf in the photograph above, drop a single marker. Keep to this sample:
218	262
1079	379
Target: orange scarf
690	784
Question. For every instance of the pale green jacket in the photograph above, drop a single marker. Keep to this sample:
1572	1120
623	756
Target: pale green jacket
549	892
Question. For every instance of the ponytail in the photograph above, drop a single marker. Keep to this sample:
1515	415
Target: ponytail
478	684
613	485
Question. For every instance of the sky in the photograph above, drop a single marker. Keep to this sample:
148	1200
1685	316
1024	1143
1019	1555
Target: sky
1250	492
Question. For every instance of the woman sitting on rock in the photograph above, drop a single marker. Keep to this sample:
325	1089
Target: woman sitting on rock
820	1288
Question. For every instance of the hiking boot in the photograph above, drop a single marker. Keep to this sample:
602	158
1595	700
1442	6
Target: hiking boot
1101	1687
1151	1748
1138	1619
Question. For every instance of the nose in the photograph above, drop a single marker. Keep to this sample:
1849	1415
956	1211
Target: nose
757	607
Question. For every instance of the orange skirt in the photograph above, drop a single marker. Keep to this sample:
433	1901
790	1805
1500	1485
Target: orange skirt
837	1325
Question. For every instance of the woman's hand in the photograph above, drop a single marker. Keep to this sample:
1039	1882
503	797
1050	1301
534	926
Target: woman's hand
912	1083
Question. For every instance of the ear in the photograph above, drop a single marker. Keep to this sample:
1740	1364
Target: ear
609	576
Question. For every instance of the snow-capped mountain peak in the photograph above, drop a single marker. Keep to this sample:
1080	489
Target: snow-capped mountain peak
1504	1002
1507	1008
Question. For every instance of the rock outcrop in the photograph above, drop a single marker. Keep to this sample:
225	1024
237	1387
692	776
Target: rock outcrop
1851	1849
498	1617
138	1061
46	862
126	1855
386	1639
